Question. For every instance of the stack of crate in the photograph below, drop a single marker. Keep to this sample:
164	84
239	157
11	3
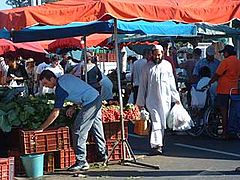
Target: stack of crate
31	142
56	146
7	168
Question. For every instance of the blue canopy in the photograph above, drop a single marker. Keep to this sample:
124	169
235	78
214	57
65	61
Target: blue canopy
4	34
167	28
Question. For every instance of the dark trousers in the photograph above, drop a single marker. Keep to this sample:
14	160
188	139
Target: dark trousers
135	93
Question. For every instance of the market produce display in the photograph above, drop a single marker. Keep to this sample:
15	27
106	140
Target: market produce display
111	113
26	112
30	112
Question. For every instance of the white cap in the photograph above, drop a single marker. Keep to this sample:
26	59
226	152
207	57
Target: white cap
210	50
159	47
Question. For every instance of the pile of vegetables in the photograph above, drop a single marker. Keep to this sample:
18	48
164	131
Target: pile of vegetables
26	112
111	113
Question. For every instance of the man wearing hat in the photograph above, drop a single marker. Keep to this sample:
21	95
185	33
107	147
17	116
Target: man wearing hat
157	90
210	61
227	75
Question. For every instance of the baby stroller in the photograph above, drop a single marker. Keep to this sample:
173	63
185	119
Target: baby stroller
233	112
200	100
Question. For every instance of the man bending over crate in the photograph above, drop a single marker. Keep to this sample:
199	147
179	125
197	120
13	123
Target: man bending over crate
69	87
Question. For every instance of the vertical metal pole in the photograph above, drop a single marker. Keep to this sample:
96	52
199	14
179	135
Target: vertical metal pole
85	58
238	47
119	88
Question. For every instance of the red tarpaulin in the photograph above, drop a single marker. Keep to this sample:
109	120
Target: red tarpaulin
66	11
6	46
75	42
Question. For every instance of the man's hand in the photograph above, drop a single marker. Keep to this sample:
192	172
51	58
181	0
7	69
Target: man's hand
70	111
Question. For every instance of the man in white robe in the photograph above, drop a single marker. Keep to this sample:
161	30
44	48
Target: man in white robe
157	90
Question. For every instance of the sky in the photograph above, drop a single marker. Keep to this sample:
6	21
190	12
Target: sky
3	5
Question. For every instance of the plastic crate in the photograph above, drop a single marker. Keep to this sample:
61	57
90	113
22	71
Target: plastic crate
118	151
112	130
65	158
18	167
49	162
46	141
7	168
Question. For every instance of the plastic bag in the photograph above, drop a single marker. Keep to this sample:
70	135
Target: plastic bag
179	119
198	98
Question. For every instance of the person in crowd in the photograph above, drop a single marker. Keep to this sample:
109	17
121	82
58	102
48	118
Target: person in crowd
69	87
64	60
55	67
106	88
166	55
157	90
42	66
94	75
30	68
137	71
210	61
3	71
189	64
16	74
227	75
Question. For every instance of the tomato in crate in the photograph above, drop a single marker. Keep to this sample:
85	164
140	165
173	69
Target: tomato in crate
46	141
7	168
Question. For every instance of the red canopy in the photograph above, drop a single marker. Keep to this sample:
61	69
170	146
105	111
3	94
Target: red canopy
6	46
66	11
75	42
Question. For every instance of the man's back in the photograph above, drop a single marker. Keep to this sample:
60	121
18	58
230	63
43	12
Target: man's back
137	71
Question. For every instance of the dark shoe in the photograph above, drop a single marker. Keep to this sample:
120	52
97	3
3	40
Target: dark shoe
102	160
156	151
79	167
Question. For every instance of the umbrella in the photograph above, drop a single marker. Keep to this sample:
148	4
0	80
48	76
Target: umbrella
74	42
93	40
6	46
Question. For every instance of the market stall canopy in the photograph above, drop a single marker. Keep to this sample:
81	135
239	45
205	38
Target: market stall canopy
6	46
93	40
168	28
67	11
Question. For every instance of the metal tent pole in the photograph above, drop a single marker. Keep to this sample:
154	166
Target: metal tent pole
123	140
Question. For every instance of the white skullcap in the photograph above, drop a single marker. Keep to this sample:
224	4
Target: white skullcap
210	50
159	47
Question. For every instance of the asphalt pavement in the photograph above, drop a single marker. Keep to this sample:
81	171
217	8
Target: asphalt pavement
184	158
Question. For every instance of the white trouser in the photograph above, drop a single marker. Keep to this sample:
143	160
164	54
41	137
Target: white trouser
156	138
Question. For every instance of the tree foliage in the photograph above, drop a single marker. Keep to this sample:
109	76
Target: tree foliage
23	3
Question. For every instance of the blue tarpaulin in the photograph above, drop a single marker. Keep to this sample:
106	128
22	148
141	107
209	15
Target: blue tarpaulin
167	28
4	34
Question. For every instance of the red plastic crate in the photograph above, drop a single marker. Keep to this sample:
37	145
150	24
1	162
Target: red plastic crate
65	158
46	141
18	167
49	162
118	151
7	168
112	131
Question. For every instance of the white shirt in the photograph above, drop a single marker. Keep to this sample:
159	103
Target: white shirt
58	70
41	67
137	71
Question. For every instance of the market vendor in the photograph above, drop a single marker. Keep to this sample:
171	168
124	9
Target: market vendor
69	87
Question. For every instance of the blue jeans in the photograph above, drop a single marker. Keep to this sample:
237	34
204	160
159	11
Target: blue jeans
89	118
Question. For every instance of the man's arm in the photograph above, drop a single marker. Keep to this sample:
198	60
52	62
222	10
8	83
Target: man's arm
51	118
